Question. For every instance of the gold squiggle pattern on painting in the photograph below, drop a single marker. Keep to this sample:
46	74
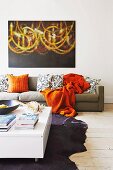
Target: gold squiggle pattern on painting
57	37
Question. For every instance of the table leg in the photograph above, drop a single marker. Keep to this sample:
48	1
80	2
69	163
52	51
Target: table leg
36	159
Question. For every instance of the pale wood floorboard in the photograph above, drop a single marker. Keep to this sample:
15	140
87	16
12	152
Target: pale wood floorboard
99	142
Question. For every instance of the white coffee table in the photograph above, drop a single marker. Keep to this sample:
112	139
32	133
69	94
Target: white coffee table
26	143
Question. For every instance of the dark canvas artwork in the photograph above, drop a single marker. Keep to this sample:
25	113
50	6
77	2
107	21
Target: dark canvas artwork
41	44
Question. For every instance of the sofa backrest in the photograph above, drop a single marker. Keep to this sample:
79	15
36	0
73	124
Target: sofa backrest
32	83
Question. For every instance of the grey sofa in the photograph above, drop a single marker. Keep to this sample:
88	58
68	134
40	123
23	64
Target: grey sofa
84	102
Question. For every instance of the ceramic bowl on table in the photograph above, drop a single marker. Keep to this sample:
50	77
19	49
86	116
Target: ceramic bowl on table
11	106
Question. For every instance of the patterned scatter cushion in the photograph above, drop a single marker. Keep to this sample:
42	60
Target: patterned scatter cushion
93	82
44	81
3	83
57	81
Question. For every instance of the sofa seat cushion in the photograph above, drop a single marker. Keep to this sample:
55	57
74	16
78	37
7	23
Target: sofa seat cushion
31	96
86	97
9	96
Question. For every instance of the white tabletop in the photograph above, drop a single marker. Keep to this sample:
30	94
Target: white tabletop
39	127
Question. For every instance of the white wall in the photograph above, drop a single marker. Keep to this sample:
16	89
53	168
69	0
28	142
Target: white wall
94	31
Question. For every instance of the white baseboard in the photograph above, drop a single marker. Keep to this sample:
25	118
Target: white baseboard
108	99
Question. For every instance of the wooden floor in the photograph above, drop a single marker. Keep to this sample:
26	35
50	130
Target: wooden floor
99	142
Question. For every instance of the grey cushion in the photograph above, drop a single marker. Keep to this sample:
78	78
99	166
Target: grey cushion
32	83
9	96
31	96
86	97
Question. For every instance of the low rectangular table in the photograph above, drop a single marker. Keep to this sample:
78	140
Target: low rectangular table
30	143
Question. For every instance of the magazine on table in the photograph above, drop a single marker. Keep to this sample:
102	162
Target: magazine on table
6	128
25	126
6	119
27	118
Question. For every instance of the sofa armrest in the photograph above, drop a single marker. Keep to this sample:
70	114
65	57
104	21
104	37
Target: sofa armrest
100	92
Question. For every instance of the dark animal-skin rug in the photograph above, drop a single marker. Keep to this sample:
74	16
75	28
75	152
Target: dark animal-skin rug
67	136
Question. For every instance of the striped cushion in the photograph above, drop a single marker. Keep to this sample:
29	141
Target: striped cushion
18	83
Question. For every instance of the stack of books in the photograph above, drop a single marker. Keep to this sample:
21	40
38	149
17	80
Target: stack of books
26	121
6	121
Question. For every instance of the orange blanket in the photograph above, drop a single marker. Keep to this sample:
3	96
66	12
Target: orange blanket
63	99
